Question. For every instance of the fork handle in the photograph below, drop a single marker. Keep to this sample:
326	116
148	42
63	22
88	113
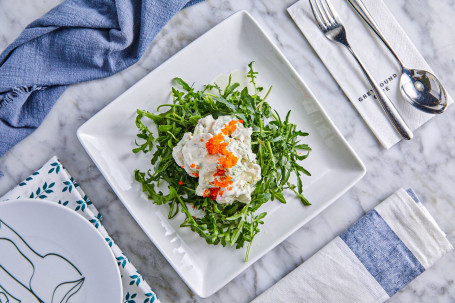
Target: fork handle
363	12
387	105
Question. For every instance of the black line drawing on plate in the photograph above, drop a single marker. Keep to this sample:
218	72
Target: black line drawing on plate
3	298
28	277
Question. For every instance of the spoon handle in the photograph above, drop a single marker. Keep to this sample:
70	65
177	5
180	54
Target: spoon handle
387	105
363	12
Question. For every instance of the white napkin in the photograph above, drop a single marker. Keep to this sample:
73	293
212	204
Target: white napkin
370	261
377	58
53	182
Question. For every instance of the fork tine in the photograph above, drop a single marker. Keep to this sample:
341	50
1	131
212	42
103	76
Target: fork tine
328	12
322	13
317	15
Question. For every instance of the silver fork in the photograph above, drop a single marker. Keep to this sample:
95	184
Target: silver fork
330	24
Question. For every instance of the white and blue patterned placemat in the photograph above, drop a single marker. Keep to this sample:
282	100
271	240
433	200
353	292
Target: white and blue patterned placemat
53	182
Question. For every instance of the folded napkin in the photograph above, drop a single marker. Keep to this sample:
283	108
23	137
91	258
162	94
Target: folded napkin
377	58
76	41
370	261
53	182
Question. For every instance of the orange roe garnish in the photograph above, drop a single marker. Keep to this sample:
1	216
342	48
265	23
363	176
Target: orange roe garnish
202	140
193	165
196	174
229	128
181	182
216	144
197	167
182	166
228	160
223	181
219	172
241	121
211	192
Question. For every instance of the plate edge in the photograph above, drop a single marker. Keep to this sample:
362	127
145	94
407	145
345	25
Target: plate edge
362	169
72	212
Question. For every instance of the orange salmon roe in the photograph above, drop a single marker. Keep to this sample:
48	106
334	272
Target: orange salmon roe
224	181
219	172
228	160
229	128
211	192
217	145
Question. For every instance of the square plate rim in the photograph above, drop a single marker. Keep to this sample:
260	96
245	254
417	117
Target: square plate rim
360	169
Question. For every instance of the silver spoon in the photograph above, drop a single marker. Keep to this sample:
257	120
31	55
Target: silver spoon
419	87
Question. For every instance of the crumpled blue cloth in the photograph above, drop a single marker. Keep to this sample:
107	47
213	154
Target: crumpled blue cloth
77	41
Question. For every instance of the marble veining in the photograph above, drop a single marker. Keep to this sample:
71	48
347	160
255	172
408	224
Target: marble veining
425	163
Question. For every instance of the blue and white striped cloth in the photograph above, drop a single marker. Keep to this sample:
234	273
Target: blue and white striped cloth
370	261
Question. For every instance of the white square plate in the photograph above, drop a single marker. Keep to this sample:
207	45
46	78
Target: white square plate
109	138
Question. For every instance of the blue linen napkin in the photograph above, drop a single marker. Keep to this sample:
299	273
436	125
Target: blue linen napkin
53	182
369	262
76	41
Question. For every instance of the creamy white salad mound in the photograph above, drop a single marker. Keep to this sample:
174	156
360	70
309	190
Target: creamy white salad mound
219	153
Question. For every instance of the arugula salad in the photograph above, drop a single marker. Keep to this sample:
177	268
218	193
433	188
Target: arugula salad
221	153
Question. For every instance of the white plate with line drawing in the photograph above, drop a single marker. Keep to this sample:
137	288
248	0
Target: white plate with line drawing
109	138
50	254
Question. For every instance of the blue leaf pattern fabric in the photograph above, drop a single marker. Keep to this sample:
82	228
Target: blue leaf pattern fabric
49	183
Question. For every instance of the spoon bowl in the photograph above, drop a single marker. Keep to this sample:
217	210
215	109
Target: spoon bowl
420	88
423	90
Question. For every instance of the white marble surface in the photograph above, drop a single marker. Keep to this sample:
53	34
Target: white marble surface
425	163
